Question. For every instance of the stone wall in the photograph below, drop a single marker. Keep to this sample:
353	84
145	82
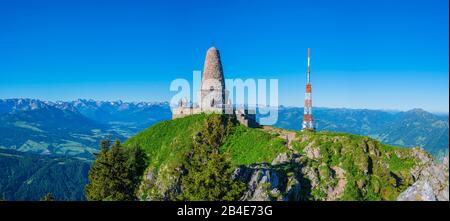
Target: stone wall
179	112
246	119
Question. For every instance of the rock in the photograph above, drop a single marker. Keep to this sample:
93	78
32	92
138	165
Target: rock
334	193
445	162
260	180
161	186
265	183
423	156
431	181
292	190
309	173
281	159
284	158
419	191
312	152
365	145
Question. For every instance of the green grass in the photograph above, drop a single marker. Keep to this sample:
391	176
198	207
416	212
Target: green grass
373	171
168	142
396	164
247	146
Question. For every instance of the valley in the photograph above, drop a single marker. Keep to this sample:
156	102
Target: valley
72	131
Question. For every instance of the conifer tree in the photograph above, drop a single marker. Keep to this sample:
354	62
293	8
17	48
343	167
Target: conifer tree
116	172
207	171
97	188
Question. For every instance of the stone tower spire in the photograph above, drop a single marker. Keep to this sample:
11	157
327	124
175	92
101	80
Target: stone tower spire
212	92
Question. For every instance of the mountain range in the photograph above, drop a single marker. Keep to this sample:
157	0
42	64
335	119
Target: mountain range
75	128
71	131
413	128
72	128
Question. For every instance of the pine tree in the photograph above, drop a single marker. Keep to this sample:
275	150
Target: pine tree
137	163
104	146
207	171
116	173
97	188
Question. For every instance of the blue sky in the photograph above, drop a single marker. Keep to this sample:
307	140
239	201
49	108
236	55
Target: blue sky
365	54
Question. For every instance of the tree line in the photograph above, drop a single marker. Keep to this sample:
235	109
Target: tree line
205	171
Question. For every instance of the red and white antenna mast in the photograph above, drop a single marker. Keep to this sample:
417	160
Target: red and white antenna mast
307	115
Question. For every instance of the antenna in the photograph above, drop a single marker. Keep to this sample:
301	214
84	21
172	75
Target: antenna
309	67
307	114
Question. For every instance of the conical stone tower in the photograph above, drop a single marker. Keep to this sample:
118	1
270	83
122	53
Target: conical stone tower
212	93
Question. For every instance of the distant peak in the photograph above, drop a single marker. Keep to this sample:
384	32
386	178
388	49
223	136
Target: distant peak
417	110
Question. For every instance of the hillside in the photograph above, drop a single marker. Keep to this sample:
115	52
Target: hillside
75	127
414	128
26	176
277	164
167	142
38	127
72	128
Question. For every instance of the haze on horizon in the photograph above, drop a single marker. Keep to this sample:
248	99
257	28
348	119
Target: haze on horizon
377	55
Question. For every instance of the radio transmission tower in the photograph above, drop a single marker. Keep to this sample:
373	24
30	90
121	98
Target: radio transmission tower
307	115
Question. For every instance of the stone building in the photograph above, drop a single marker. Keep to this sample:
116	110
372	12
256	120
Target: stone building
213	96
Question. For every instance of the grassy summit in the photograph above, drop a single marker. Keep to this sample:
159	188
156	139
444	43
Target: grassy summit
333	166
168	141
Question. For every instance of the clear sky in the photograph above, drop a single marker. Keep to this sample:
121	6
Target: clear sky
365	54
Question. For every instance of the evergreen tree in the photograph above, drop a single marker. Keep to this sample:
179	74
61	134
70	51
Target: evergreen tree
97	188
116	172
104	146
137	163
207	171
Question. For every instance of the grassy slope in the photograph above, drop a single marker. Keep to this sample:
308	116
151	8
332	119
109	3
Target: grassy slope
247	146
167	142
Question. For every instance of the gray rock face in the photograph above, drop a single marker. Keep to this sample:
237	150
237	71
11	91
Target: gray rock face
261	181
431	183
312	152
311	175
266	183
290	178
160	187
283	158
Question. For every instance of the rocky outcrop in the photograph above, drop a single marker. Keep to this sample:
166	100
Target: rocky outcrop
334	193
431	182
161	187
312	152
289	177
284	158
268	182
